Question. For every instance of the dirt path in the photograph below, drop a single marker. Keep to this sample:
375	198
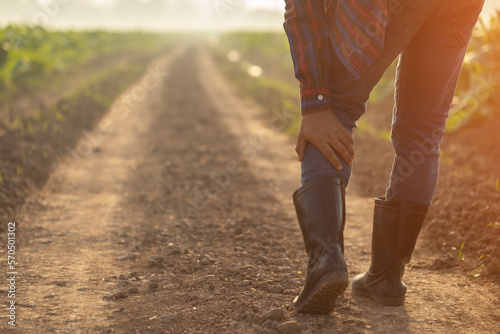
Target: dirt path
181	222
72	224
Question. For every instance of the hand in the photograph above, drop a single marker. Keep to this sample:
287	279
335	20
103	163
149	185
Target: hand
323	130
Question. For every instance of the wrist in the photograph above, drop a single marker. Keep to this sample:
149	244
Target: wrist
313	99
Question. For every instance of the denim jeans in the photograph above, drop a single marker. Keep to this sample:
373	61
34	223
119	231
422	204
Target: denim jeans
431	38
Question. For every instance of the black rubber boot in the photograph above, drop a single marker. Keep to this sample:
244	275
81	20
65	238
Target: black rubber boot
320	208
396	227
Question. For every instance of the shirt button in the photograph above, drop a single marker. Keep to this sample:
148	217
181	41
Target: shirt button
320	97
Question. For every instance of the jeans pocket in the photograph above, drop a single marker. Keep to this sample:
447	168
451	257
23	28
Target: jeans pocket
391	39
402	16
465	25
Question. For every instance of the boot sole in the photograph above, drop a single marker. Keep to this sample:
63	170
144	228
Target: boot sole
387	301
324	294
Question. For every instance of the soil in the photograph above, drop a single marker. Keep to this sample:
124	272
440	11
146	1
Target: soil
180	221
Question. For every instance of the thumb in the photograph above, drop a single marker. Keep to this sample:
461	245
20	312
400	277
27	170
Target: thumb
300	148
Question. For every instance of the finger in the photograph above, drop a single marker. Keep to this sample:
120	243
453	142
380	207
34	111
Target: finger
343	130
342	146
348	146
329	154
300	148
347	135
342	151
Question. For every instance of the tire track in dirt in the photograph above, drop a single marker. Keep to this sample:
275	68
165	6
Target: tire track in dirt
73	224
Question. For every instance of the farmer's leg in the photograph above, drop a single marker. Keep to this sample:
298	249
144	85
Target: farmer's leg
427	76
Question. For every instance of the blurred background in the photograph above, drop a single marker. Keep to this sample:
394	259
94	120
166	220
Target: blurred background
128	231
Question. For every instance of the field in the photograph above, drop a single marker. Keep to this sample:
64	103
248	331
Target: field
150	178
53	84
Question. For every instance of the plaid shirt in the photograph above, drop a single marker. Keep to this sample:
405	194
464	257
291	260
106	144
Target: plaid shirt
353	29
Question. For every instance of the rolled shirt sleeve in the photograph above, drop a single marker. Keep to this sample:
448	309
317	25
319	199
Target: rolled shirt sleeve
306	27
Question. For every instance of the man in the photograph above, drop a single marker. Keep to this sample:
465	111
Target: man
340	49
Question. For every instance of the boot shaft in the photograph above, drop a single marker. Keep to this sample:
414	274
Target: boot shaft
396	227
411	221
320	208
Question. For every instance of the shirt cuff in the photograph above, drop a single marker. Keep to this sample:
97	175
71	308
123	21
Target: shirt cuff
314	99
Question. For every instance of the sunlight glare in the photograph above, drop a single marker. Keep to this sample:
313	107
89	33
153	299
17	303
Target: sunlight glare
233	56
255	71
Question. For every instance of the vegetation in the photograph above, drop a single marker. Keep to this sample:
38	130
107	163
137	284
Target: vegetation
34	60
479	82
32	56
29	52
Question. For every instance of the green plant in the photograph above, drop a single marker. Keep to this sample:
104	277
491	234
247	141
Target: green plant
476	272
385	135
460	252
31	56
478	83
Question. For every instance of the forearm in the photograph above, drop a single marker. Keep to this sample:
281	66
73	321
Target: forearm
306	26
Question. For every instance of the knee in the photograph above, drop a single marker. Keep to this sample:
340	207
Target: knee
417	144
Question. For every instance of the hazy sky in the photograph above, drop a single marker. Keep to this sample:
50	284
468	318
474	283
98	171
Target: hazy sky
152	14
145	14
